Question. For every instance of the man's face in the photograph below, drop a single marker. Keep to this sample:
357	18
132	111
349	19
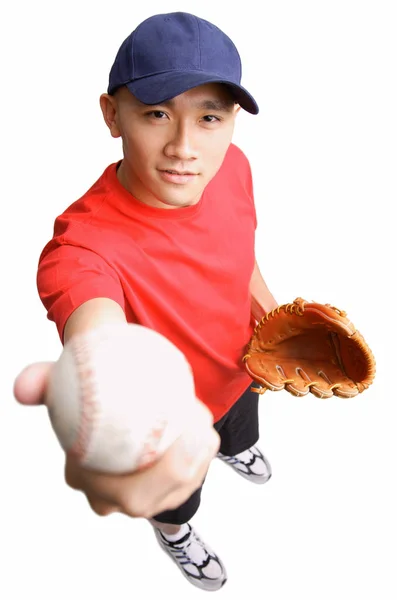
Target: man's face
171	150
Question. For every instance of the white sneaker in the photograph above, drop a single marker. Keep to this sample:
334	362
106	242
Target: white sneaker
198	563
250	464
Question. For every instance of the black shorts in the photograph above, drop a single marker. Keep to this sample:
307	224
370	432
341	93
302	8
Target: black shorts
238	430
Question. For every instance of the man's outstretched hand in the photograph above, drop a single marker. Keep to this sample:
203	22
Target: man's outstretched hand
164	485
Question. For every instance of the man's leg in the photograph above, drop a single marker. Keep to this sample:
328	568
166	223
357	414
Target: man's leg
196	560
239	434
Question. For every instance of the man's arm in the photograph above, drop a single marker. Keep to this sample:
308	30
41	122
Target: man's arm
92	314
168	482
262	300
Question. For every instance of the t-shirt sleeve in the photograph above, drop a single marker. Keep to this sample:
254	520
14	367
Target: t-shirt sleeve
69	275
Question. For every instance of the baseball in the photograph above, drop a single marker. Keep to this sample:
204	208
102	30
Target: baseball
119	396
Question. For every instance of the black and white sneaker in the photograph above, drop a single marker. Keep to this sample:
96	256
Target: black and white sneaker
198	563
250	464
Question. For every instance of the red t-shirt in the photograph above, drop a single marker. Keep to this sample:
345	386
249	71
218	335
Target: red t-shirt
183	272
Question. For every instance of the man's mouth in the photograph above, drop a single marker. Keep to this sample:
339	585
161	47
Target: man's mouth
179	172
178	177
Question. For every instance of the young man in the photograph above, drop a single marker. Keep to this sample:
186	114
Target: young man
165	238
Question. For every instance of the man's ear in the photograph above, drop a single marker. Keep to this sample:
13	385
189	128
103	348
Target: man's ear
237	108
109	110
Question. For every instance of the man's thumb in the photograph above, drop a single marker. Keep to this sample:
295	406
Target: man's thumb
31	383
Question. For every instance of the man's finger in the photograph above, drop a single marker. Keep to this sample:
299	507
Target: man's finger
31	383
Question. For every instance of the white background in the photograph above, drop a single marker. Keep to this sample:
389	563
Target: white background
323	155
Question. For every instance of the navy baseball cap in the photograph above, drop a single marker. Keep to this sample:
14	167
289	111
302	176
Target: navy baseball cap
169	54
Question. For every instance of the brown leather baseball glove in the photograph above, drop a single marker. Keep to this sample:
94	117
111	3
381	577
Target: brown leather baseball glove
307	347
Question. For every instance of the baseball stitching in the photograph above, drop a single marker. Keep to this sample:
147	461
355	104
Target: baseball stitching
88	405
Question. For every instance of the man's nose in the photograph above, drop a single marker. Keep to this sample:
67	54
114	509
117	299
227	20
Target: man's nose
181	144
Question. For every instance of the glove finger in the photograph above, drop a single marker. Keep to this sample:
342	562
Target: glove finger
295	378
338	382
305	378
276	377
315	382
264	371
291	378
324	382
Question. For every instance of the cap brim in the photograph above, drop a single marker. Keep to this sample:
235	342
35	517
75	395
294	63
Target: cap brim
158	88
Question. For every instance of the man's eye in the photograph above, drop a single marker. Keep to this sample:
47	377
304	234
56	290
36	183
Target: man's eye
157	114
211	118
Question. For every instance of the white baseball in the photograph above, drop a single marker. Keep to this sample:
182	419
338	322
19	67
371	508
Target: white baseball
119	396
